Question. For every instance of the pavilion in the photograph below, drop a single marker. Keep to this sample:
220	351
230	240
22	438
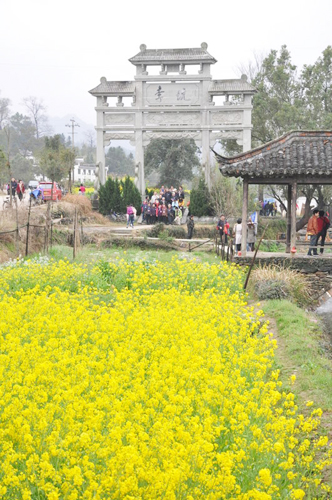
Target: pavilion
297	157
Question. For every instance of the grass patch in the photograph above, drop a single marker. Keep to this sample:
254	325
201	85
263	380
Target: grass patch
91	253
301	350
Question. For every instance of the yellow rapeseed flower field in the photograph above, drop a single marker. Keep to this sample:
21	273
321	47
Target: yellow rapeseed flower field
141	380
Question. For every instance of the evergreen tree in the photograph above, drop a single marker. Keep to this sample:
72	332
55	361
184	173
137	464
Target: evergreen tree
200	200
278	104
130	194
316	81
174	160
110	199
115	196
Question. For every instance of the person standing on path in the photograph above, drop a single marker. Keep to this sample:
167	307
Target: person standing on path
251	237
20	189
130	216
237	233
81	189
323	225
190	226
312	231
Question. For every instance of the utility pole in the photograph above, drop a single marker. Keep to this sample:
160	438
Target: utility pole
73	124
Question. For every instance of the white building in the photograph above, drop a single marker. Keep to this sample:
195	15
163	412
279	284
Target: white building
85	172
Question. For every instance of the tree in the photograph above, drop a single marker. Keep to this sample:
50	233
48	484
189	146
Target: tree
226	195
3	167
119	163
174	160
200	200
115	196
110	199
278	104
130	194
23	134
316	81
88	149
55	160
4	111
285	102
253	67
22	168
36	110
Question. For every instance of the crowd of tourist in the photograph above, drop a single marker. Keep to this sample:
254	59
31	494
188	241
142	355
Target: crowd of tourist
166	205
225	233
267	208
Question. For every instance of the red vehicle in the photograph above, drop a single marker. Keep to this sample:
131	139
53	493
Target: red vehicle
46	188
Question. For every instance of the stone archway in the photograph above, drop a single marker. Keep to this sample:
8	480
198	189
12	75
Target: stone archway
172	105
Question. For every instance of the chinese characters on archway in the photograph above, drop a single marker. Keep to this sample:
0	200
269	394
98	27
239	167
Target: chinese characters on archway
180	96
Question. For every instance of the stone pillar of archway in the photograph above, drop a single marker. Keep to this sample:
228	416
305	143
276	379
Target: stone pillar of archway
206	157
100	144
139	162
244	217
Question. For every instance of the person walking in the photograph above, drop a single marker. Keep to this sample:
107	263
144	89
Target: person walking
81	189
221	228
312	231
130	216
20	189
237	233
323	225
14	186
190	226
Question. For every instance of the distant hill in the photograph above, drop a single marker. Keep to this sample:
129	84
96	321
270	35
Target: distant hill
58	126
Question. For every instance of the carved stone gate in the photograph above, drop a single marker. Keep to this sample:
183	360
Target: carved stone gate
172	105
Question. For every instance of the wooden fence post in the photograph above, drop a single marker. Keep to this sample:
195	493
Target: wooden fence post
47	224
82	234
28	226
76	235
17	234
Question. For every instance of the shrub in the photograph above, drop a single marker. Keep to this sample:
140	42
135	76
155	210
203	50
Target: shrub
200	200
272	289
277	282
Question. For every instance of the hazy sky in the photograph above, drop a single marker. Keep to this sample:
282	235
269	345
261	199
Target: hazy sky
58	51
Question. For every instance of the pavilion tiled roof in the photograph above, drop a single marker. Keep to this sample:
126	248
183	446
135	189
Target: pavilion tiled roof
301	154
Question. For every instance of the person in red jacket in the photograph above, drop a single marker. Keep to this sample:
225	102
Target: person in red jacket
323	224
20	189
312	231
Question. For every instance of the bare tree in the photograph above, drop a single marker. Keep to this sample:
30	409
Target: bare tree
4	111
253	67
36	110
91	138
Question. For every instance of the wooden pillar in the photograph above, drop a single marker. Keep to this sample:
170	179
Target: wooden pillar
289	215
293	214
244	218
